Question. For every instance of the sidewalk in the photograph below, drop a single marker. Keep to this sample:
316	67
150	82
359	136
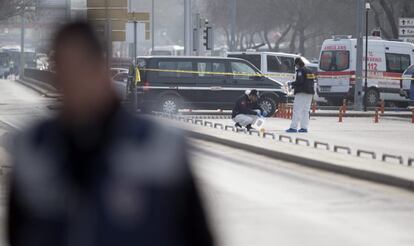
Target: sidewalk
389	136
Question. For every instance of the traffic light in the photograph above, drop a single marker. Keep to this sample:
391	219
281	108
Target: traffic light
208	38
376	33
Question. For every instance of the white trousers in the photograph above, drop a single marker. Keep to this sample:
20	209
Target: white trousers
301	108
245	119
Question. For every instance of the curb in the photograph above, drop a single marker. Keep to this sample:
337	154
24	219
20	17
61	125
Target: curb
358	115
39	87
377	177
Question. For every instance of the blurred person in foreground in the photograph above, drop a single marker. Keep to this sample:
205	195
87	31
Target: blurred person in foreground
95	175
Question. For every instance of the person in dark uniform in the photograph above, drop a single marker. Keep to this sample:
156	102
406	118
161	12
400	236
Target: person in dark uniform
94	175
247	110
304	91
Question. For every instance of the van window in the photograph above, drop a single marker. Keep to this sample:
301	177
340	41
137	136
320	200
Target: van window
215	67
397	63
334	60
253	59
175	65
287	64
242	68
273	64
410	70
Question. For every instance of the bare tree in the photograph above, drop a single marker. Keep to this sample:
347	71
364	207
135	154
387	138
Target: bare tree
12	8
273	22
389	11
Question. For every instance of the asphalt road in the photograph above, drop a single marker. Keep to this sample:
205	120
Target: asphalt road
254	200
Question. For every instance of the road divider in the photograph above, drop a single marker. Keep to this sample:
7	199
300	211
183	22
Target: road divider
373	170
281	138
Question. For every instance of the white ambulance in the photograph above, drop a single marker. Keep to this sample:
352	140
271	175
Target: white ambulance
387	60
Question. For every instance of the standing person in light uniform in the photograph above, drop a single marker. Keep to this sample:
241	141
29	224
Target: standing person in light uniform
304	91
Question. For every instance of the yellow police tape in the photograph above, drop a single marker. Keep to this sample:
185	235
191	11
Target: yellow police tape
312	76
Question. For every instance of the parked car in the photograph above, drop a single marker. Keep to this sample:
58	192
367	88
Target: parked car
202	83
120	82
116	70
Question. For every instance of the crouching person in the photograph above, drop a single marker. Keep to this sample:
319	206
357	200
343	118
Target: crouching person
247	110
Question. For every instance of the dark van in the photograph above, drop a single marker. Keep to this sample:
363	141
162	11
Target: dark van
172	83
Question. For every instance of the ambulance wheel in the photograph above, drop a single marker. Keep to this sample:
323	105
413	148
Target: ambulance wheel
268	105
170	104
372	98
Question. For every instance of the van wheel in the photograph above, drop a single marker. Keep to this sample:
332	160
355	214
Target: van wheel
372	98
268	105
170	104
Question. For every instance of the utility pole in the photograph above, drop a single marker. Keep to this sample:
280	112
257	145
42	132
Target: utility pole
358	99
233	16
188	28
153	25
68	10
108	33
22	57
367	8
196	34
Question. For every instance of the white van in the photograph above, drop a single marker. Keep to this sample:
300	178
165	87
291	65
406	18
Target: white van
280	66
168	50
387	60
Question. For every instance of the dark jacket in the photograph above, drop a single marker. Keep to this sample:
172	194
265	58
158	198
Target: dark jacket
305	81
120	181
245	106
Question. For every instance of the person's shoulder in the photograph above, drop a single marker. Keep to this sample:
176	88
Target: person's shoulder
147	128
242	98
39	130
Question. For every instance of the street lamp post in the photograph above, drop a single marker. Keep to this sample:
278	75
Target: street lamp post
153	25
188	27
367	9
22	55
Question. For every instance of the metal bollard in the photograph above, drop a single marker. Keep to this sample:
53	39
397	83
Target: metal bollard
269	134
226	128
347	149
376	117
316	144
314	106
371	153
410	162
412	117
344	106
340	120
281	137
299	140
277	114
395	157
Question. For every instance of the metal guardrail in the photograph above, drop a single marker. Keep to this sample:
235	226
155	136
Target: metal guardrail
282	138
371	153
